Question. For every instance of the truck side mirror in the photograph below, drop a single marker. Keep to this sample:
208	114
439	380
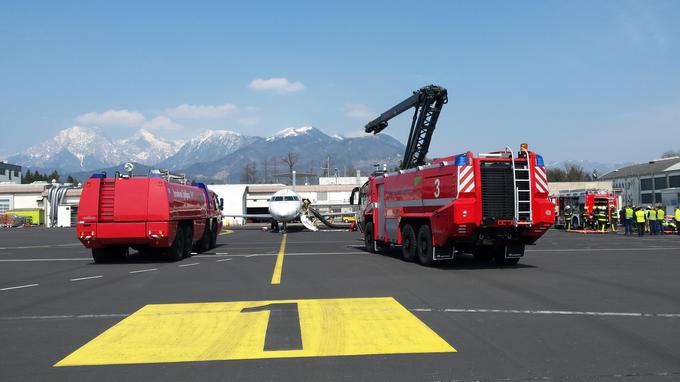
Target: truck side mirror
355	190
221	204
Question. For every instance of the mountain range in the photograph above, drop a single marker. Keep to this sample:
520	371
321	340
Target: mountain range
213	155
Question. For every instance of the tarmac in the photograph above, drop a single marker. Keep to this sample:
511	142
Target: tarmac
315	306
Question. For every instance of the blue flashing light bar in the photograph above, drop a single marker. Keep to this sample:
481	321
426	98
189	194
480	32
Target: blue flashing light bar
539	161
462	160
98	175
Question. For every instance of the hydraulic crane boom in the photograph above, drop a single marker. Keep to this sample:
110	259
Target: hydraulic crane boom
428	102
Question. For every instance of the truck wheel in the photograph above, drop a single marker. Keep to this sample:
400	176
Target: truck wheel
369	245
176	250
213	236
204	244
424	247
102	255
409	243
188	241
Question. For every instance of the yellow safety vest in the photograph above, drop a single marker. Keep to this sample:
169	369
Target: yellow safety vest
652	215
660	214
640	216
629	213
677	214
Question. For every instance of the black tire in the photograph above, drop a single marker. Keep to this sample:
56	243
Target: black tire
102	255
109	254
188	240
409	243
213	236
204	243
369	244
175	251
424	247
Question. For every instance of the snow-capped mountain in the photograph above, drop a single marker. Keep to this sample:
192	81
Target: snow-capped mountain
84	148
292	132
206	147
144	147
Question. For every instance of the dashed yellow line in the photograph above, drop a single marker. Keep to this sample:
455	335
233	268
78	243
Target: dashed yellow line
226	232
276	277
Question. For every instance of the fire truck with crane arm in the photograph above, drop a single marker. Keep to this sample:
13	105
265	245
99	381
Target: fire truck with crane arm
159	214
491	205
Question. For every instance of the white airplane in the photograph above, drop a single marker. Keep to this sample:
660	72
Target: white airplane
286	205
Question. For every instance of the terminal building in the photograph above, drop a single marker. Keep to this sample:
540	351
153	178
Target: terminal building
652	183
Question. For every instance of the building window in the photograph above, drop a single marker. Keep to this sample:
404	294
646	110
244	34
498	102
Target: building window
2	171
4	205
16	173
660	183
646	184
646	198
657	197
674	181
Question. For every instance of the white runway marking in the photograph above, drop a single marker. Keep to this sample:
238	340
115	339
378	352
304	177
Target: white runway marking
549	312
19	287
220	260
43	246
188	265
144	270
87	278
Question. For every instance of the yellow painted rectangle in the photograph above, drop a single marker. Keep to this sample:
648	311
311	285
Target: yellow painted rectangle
220	331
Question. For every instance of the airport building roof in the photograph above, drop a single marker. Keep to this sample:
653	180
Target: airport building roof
656	166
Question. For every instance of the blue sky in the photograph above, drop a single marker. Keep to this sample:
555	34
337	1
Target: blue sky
575	79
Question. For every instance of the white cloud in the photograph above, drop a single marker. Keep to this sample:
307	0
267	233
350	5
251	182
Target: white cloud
162	123
360	112
186	111
280	85
111	117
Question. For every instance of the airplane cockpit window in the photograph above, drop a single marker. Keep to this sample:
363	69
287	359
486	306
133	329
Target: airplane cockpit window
277	198
290	198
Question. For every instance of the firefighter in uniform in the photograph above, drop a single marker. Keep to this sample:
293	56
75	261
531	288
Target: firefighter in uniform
601	216
677	219
567	217
628	222
651	218
614	218
640	221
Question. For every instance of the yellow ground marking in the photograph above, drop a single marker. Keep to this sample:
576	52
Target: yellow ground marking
220	331
276	277
226	232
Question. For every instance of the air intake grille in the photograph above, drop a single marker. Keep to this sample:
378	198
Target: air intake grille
107	192
498	192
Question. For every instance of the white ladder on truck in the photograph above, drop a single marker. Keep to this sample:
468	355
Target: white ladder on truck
522	185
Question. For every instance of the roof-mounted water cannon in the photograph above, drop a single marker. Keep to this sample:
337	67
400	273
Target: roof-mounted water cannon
128	167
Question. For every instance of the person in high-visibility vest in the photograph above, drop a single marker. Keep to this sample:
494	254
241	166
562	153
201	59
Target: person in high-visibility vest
660	217
628	223
677	219
640	221
651	217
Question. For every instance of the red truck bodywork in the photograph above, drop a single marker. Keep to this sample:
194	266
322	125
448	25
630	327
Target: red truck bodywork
145	213
449	197
584	199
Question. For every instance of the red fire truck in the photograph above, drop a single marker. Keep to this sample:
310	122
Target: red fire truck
581	203
491	205
161	213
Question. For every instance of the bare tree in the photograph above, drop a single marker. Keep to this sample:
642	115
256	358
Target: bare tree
671	154
290	160
249	174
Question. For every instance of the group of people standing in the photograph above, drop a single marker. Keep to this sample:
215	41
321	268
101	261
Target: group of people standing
651	220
